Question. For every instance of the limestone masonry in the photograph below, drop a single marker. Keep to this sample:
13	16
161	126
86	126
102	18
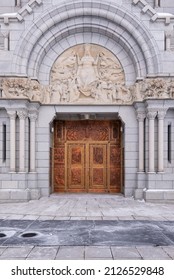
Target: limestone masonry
68	68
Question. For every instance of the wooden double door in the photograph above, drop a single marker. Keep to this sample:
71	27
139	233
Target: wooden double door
87	156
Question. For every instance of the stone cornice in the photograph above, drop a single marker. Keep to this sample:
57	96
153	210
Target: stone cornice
147	8
29	7
19	16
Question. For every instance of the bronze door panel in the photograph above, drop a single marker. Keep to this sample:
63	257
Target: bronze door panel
87	156
97	168
76	168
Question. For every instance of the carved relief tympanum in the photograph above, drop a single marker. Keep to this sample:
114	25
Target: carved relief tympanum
87	74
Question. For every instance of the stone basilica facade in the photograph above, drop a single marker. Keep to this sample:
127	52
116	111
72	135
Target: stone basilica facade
87	98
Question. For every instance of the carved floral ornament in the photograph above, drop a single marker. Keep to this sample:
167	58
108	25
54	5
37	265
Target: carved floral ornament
87	74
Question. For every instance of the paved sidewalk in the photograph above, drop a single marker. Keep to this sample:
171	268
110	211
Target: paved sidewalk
87	207
86	253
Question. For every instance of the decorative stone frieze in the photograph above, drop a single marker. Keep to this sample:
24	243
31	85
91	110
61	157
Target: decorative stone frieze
72	90
154	88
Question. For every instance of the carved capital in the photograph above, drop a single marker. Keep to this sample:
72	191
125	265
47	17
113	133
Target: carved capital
152	114
11	114
141	116
5	34
169	34
161	114
33	116
22	114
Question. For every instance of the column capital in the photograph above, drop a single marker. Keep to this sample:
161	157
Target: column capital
161	114
141	116
151	114
12	114
169	34
33	115
22	114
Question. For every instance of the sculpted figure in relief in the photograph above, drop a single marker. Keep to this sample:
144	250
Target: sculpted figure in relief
87	74
155	88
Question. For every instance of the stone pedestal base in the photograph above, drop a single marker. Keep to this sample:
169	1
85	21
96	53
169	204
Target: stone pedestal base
141	185
164	196
11	195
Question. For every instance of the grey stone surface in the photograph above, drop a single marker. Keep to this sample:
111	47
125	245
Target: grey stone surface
43	253
140	45
70	253
16	252
97	252
149	253
126	253
87	233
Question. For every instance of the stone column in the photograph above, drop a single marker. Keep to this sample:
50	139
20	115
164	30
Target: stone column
12	115
151	116
156	3
33	118
161	115
6	40
18	3
140	118
22	114
168	40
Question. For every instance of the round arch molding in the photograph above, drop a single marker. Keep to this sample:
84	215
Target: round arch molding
80	22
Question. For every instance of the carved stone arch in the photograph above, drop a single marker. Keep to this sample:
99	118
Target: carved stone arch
114	14
130	64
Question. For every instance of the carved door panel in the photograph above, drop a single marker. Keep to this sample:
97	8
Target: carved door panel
115	168
98	168
76	168
87	156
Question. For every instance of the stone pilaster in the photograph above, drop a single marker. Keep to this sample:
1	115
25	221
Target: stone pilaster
161	116
151	114
33	117
168	40
140	117
22	114
12	116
